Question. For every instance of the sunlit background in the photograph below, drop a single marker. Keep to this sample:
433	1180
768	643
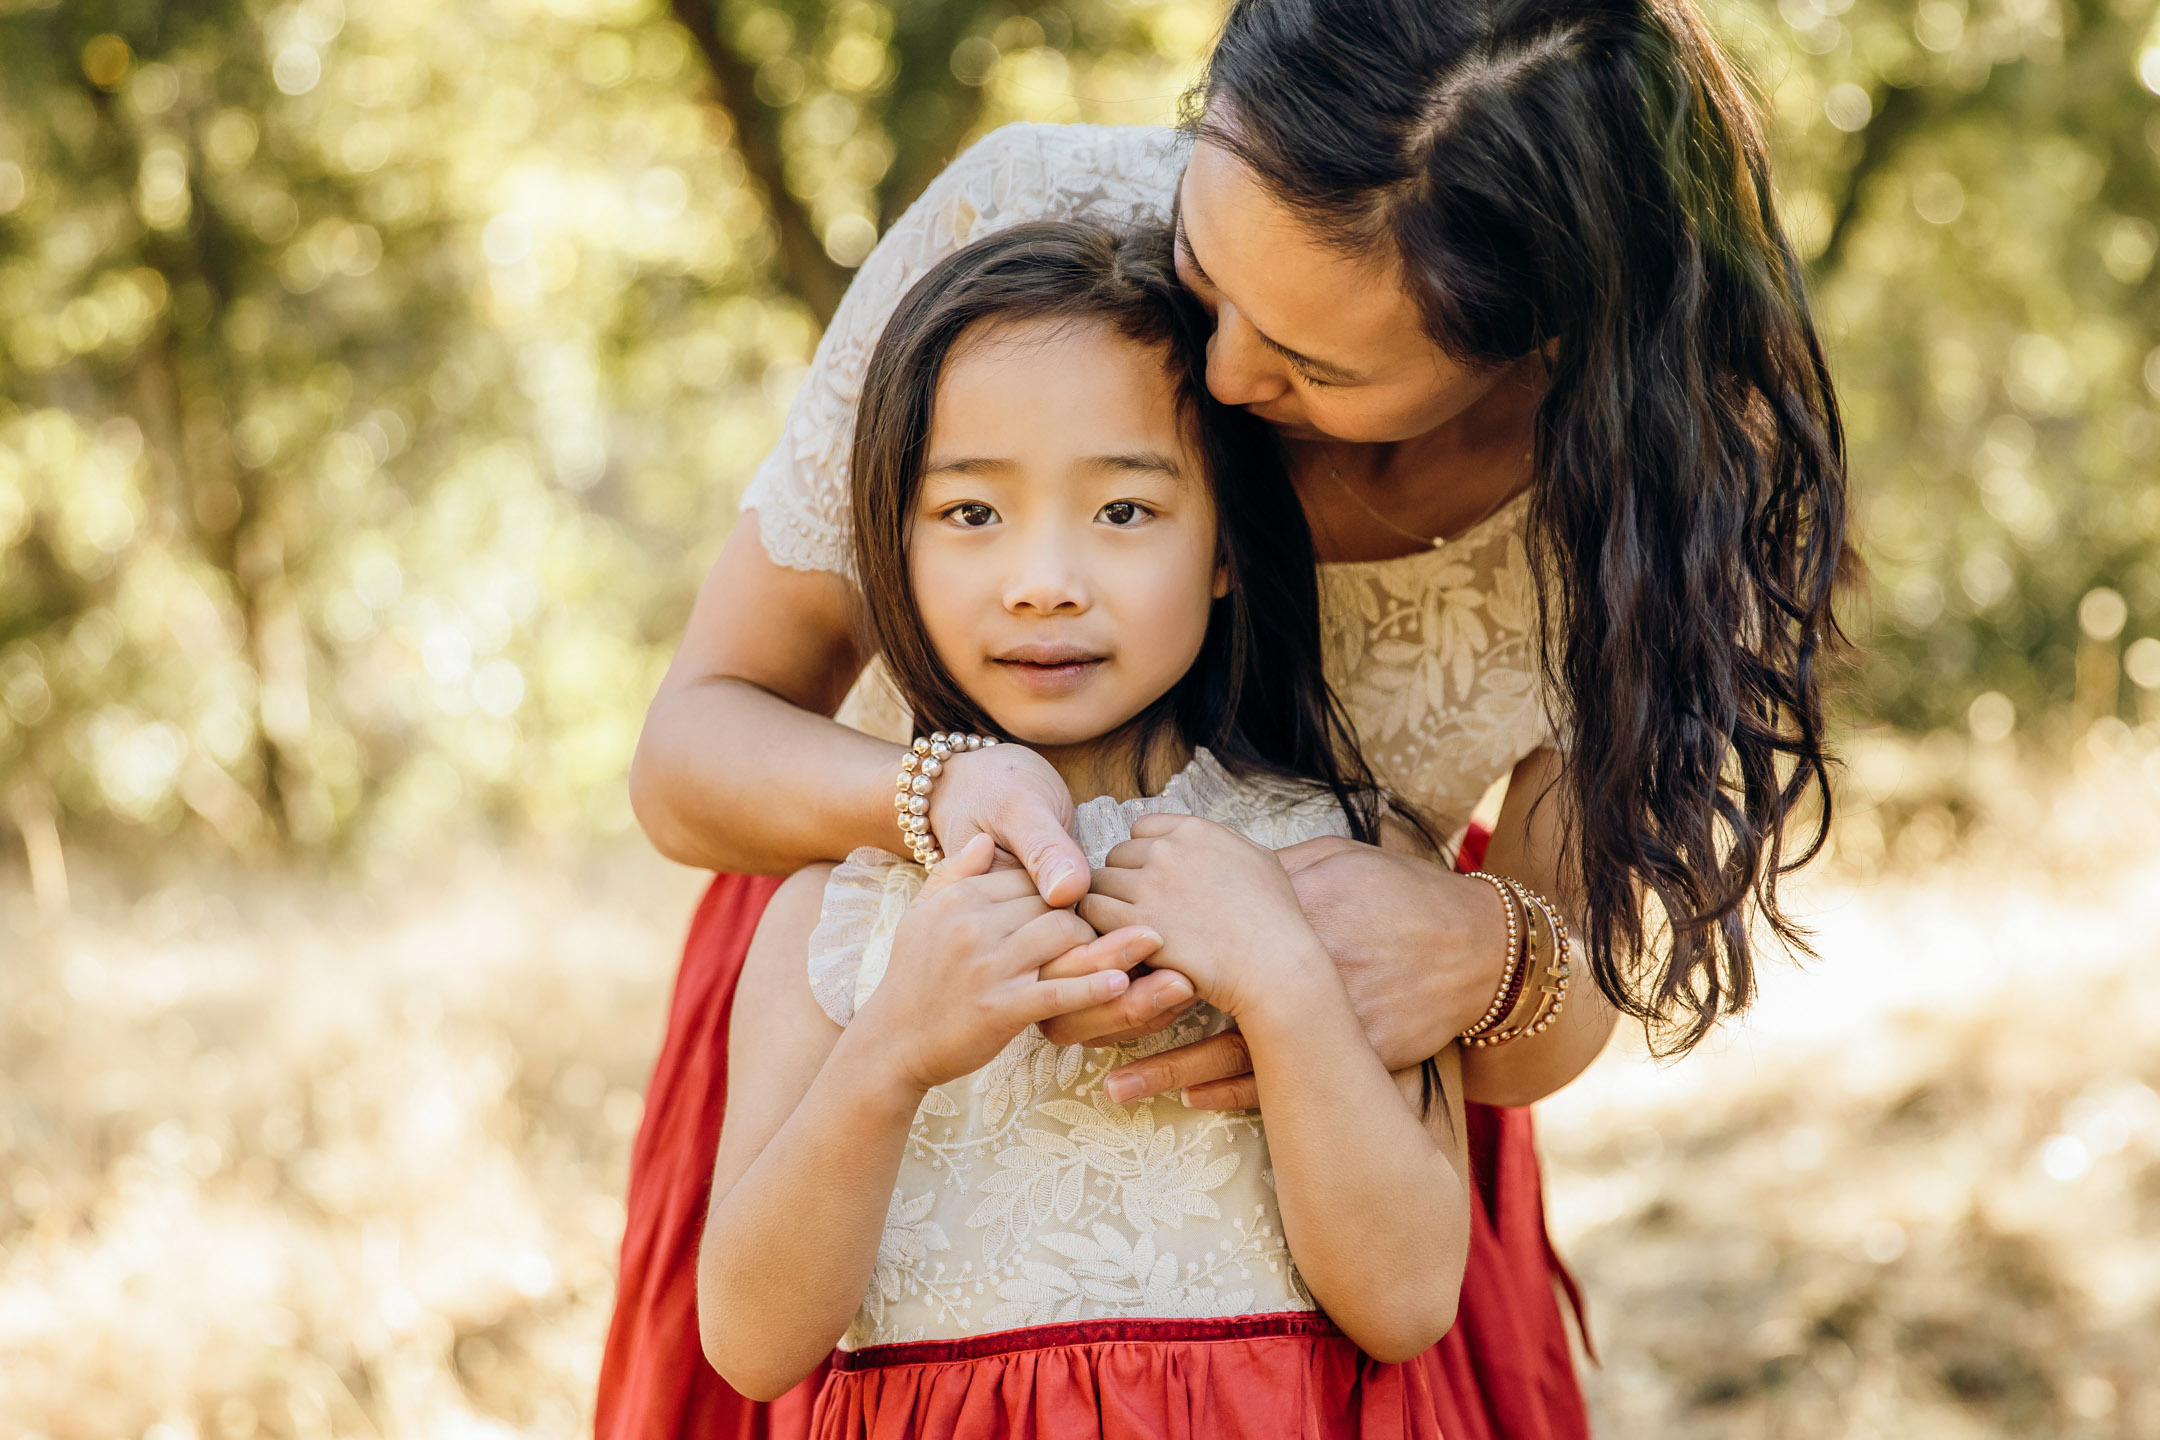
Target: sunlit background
376	381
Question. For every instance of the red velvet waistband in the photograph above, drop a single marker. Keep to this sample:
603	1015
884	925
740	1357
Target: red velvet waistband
1085	1332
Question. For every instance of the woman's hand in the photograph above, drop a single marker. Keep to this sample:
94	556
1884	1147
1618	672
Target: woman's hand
1419	950
962	979
1226	911
1019	800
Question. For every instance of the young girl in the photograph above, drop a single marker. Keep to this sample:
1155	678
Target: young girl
1064	543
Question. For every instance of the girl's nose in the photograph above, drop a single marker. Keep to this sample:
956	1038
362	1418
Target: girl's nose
1241	370
1047	579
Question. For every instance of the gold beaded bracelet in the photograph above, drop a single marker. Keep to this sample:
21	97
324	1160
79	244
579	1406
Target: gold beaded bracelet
1553	993
1503	998
919	770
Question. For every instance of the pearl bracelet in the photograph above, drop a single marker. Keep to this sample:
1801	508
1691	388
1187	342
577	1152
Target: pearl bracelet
919	770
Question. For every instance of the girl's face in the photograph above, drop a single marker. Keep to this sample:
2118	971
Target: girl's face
1320	344
1062	547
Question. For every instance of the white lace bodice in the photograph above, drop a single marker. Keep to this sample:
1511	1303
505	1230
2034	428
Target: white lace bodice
1432	653
1026	1196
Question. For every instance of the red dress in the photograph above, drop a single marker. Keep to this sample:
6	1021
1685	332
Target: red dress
1503	1373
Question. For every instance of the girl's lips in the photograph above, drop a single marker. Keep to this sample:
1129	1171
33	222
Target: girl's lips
1050	677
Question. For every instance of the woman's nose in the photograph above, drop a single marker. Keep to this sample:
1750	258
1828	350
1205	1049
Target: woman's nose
1241	370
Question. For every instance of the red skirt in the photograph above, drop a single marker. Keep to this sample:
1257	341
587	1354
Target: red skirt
1273	1376
1503	1373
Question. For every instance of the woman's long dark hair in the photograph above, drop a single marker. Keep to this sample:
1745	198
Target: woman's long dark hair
1587	178
1276	717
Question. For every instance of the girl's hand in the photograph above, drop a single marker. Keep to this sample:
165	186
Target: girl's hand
962	978
1227	914
1018	799
1418	948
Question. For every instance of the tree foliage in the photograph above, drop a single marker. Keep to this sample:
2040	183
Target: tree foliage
377	377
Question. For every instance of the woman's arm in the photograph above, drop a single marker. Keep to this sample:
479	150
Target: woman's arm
740	768
1420	951
1374	1199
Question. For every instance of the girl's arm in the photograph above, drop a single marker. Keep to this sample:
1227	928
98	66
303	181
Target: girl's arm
808	1151
1375	1201
817	1115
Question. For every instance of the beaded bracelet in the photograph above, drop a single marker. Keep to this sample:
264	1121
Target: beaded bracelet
919	770
1510	989
1553	993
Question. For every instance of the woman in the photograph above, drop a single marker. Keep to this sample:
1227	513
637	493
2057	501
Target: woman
1507	280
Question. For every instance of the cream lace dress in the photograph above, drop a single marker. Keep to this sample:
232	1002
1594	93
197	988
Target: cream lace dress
1027	1196
1432	653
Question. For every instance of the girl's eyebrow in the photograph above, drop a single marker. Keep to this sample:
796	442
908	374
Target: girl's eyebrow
1141	462
966	465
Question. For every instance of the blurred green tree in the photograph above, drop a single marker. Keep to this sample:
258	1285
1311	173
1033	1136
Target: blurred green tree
377	376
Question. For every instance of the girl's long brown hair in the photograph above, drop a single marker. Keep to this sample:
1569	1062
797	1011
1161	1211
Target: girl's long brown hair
1278	717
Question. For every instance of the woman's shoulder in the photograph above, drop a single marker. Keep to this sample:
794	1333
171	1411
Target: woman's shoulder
1073	164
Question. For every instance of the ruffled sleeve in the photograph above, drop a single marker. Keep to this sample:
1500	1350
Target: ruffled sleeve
1117	174
865	897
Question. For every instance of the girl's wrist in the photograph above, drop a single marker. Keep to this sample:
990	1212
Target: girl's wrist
871	1068
1286	992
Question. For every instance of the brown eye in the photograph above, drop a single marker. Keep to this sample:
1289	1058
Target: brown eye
1121	512
973	515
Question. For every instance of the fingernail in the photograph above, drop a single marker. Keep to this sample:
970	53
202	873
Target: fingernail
1122	1087
1176	993
1185	1099
1116	980
1057	877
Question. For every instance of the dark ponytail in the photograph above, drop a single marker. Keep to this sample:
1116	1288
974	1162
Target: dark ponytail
1586	178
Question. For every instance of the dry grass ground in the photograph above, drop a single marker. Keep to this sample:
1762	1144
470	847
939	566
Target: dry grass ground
288	1157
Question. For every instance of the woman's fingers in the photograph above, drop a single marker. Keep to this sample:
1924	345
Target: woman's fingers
1052	858
1219	1057
1150	1003
1119	950
1241	1093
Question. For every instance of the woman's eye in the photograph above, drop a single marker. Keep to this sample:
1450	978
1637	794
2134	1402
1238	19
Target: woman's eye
973	515
1122	512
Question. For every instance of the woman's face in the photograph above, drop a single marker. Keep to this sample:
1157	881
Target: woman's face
1320	344
1062	545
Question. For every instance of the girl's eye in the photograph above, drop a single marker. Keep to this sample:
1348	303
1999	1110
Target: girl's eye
973	514
1122	512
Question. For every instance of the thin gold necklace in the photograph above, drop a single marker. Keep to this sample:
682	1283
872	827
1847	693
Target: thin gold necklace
1436	542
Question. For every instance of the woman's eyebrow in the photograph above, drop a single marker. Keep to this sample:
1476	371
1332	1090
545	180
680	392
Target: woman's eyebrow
1335	374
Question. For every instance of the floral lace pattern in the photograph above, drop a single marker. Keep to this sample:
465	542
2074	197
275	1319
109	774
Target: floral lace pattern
1432	653
1027	1196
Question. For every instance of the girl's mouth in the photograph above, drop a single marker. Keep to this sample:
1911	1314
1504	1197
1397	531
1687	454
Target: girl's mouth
1047	672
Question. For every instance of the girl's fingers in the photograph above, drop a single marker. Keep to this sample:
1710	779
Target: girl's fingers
1119	950
1045	999
1129	854
1045	938
1150	826
1106	913
969	861
1152	1002
1219	1057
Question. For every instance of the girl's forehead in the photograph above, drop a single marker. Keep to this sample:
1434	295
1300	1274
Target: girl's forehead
1040	383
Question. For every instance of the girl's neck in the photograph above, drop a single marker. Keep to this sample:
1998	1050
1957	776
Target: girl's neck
1115	764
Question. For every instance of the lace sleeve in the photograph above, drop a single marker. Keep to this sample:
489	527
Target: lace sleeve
1118	174
864	899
